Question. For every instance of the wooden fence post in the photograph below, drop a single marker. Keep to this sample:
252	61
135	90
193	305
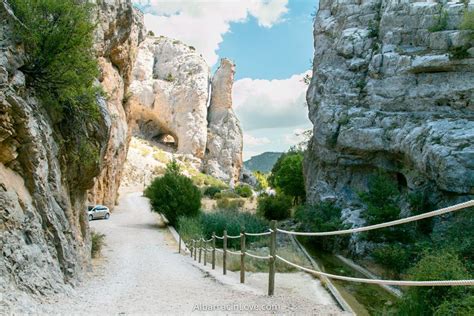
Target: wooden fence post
271	270
191	246
195	250
213	250
205	252
224	254
200	250
179	244
242	256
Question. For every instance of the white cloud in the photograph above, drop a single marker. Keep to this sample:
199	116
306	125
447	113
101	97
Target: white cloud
255	141
202	23
270	103
295	137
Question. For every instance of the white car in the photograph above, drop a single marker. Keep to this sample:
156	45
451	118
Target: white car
98	211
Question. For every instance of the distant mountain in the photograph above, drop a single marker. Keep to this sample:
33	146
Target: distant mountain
263	162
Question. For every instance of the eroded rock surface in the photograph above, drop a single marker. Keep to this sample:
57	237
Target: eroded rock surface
169	94
224	137
119	32
45	239
389	92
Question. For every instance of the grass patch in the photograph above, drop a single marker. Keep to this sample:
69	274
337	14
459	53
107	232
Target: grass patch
161	156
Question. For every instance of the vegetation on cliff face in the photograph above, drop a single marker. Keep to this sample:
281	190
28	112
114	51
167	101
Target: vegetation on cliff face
57	37
61	68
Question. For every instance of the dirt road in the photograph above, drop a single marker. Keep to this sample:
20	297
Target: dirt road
141	273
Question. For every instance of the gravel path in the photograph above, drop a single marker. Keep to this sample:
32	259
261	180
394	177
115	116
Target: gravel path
141	273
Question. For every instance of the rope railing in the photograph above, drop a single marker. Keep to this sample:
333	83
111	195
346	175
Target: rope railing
258	234
257	257
202	244
380	282
387	224
234	237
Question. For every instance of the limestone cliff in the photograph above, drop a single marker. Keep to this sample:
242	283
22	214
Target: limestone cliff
120	30
169	95
224	136
390	91
44	231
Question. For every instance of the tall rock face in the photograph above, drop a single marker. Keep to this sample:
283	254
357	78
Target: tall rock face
120	30
44	233
224	134
169	95
389	91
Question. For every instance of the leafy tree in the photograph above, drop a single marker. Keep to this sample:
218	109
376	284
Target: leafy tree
274	207
174	195
441	265
287	175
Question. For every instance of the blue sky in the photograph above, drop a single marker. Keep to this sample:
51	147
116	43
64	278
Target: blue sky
270	42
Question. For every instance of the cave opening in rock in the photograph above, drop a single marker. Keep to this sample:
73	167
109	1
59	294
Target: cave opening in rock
167	140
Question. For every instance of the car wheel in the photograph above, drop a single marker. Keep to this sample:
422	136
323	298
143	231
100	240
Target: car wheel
90	217
107	216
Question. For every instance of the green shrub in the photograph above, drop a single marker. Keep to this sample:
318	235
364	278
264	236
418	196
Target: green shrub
190	227
459	307
321	218
174	195
244	190
212	191
453	235
442	265
459	52
233	222
230	204
98	241
468	22
441	22
60	63
287	175
395	257
274	207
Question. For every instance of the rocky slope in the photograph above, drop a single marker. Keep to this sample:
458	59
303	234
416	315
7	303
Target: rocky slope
390	92
169	96
45	239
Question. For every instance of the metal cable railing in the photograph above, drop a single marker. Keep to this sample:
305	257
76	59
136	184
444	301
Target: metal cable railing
202	244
